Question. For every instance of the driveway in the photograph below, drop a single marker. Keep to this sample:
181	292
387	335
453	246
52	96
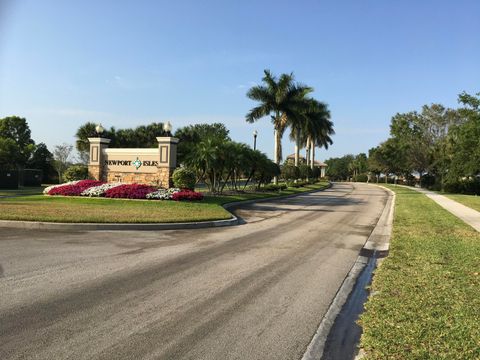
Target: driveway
254	291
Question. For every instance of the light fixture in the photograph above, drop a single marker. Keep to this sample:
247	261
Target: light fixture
167	127
99	129
255	132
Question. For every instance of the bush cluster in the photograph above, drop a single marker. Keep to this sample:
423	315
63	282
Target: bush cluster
274	187
93	188
130	191
186	194
74	189
469	186
76	172
184	178
360	178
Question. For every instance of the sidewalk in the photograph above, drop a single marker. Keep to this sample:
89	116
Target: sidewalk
468	215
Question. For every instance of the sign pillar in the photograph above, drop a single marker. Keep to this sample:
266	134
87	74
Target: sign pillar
167	148
95	165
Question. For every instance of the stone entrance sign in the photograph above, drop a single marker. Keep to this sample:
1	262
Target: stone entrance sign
144	166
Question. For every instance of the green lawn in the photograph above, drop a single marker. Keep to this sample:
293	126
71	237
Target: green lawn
472	201
425	302
101	210
33	190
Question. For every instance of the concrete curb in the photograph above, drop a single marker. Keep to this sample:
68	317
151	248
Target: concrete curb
377	241
144	227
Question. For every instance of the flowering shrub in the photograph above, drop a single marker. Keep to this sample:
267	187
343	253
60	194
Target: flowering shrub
187	195
74	189
130	191
100	190
94	188
48	188
162	194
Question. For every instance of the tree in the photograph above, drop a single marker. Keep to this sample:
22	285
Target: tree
191	135
339	168
463	140
17	131
310	129
42	159
61	154
281	99
9	151
139	137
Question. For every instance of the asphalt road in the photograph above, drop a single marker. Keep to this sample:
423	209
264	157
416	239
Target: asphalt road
254	291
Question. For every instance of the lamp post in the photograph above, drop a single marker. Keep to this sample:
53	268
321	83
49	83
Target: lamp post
99	129
167	127
255	133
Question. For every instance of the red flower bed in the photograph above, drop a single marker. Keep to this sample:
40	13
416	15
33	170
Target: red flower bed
75	189
187	195
130	191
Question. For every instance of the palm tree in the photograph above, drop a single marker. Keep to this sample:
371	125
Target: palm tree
280	98
316	130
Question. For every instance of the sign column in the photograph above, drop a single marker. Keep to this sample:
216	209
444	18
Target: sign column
167	148
95	165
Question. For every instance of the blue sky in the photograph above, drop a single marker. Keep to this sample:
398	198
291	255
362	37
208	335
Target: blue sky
127	63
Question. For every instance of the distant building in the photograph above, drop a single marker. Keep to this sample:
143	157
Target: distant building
301	160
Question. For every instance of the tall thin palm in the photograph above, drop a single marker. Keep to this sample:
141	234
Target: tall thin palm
317	129
281	99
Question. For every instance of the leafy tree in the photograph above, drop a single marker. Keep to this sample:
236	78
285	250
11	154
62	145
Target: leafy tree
42	159
464	141
339	168
61	154
15	129
139	137
9	151
191	135
281	99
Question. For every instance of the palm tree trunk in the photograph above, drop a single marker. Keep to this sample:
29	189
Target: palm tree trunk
278	151
297	147
312	154
307	152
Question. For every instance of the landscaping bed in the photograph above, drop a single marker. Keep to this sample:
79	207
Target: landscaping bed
113	210
425	295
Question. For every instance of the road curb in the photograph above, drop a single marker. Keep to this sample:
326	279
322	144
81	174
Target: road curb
377	241
147	226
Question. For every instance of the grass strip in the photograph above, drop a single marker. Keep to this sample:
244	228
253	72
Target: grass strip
102	210
33	190
425	295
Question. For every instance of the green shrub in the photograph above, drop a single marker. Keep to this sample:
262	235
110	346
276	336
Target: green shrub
361	178
76	172
469	186
184	178
316	172
297	184
305	172
273	187
290	172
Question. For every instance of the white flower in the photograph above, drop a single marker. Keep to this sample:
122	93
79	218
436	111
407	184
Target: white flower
48	188
96	191
162	194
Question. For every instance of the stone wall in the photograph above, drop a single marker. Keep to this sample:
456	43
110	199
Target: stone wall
161	178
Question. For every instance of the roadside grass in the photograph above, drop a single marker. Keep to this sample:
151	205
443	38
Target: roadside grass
33	190
425	301
102	210
471	201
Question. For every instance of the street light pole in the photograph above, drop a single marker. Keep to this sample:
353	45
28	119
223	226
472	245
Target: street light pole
255	133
